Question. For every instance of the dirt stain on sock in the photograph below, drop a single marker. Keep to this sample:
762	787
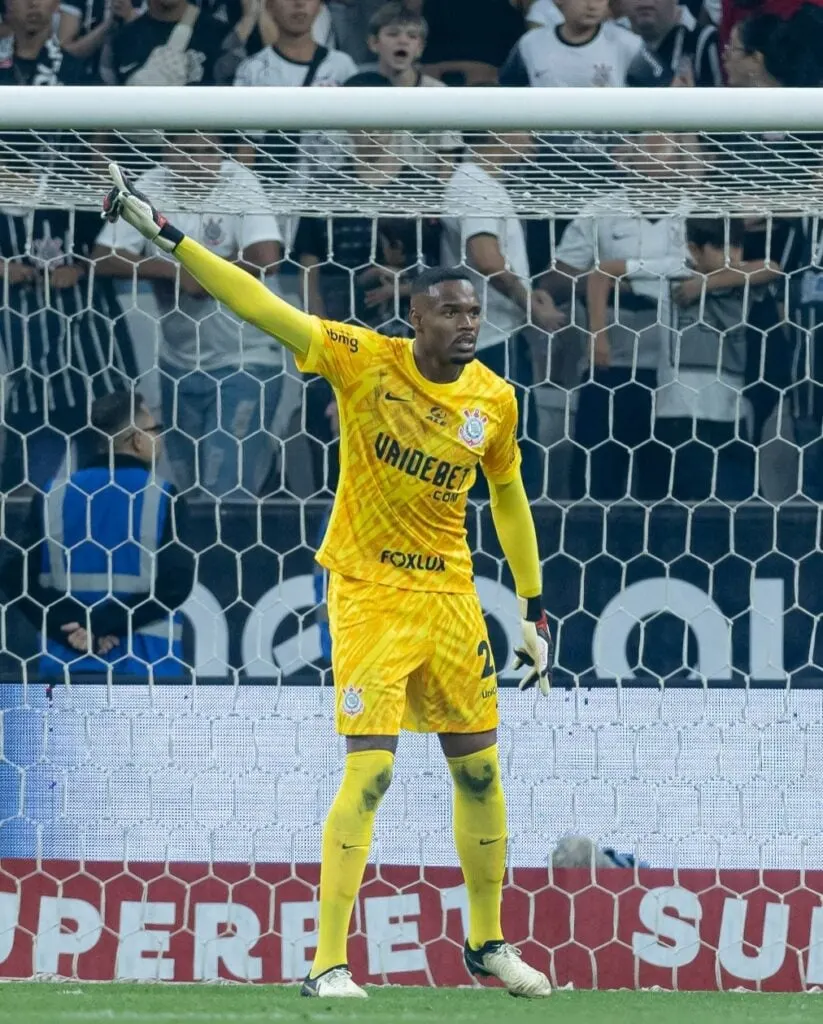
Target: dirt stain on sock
477	786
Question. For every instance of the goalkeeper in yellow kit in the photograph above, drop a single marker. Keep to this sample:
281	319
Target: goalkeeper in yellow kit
410	646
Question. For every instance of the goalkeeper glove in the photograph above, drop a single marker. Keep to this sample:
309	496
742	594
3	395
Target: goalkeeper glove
538	647
125	201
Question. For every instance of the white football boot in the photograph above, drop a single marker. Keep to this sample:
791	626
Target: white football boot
335	983
503	961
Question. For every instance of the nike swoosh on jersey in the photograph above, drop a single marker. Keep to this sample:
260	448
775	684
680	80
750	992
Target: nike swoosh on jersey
490	842
390	397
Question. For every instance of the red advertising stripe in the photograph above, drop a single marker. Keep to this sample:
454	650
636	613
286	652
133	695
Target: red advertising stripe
188	922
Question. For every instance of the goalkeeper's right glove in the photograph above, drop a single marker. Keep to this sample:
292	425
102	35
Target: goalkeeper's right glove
125	201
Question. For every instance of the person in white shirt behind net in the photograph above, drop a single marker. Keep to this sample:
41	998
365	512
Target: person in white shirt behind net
700	410
220	378
614	456
493	245
587	49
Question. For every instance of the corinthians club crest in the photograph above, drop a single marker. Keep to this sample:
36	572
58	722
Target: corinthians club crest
472	431
213	231
351	701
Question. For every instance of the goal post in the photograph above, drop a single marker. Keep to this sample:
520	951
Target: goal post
161	828
226	109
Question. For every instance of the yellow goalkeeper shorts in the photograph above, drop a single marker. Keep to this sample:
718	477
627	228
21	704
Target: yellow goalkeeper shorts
408	659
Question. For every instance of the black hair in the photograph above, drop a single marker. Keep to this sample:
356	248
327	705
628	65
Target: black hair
715	231
367	78
792	48
113	413
396	13
429	279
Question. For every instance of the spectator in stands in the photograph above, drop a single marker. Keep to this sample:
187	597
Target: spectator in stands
221	379
295	59
613	427
779	45
699	406
85	25
674	37
31	53
493	247
397	37
469	39
767	371
63	337
587	49
99	570
173	43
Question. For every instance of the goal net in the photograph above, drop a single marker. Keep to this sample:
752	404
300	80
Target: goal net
167	825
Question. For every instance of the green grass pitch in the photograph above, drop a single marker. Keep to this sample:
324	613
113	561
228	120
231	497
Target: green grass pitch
46	1003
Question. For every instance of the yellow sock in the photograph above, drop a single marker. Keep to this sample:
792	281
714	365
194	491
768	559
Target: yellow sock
346	841
480	838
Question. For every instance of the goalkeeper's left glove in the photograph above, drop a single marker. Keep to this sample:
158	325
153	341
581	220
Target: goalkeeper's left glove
538	647
136	209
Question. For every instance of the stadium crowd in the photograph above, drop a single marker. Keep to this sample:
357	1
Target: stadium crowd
580	315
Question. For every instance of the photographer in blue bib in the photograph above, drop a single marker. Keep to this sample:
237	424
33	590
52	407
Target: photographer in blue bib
99	570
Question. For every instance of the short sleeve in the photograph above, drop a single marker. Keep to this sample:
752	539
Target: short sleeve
463	194
340	352
514	72
243	77
576	247
344	67
256	227
501	460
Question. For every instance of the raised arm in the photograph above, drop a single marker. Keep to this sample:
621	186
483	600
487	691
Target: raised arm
245	295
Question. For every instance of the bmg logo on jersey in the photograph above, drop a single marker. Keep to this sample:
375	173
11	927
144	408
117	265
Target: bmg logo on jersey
413	560
351	343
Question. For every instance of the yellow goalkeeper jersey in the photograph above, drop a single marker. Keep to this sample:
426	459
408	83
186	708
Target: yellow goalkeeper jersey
409	451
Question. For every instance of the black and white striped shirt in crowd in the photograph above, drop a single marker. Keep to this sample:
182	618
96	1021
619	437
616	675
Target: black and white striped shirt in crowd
59	346
687	41
696	42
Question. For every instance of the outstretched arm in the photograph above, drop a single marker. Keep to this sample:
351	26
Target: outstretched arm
245	295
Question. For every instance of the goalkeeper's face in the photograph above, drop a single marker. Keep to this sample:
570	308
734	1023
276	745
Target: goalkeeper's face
446	320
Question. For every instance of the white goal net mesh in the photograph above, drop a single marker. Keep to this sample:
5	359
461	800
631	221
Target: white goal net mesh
559	173
668	373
